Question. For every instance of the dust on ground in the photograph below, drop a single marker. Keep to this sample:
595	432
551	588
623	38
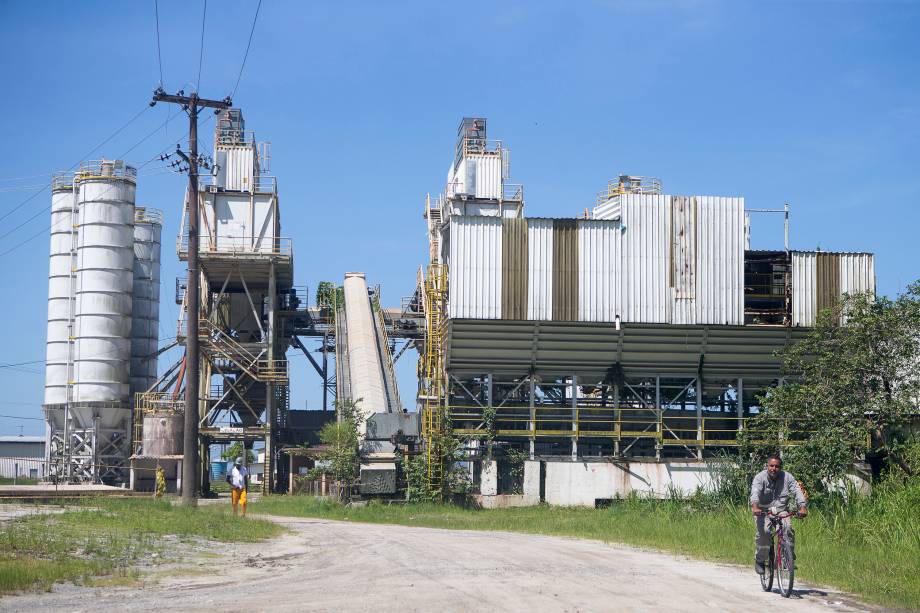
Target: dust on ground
323	565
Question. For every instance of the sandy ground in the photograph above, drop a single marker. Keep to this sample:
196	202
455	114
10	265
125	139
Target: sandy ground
324	565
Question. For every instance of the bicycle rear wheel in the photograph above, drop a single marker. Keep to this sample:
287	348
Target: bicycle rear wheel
766	579
786	570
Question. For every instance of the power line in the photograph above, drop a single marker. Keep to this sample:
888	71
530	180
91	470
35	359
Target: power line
17	417
86	155
246	55
47	208
204	14
21	363
156	12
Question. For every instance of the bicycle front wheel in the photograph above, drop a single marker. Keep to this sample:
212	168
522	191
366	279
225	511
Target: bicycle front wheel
785	572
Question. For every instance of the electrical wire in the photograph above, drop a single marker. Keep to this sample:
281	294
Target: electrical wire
204	14
17	417
246	55
86	155
156	12
47	208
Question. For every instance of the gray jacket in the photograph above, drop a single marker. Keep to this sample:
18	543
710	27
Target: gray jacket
777	492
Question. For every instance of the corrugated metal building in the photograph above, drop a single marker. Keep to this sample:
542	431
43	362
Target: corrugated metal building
22	457
664	259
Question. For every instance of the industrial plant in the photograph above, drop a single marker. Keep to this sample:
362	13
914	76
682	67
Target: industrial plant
617	350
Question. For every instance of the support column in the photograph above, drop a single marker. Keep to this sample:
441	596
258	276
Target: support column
268	474
699	415
659	419
489	404
533	417
740	404
617	416
574	417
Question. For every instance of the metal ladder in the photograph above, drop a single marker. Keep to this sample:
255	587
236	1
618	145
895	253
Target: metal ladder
433	423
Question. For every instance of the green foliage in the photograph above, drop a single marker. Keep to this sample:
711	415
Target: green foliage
341	440
516	459
328	296
106	536
417	487
857	388
234	451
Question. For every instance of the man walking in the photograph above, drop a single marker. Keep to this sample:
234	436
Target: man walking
238	478
773	488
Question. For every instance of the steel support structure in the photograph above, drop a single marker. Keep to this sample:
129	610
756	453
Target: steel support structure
572	417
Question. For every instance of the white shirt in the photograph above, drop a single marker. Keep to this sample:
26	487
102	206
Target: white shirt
238	476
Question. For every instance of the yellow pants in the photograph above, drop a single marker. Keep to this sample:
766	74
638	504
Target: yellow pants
238	496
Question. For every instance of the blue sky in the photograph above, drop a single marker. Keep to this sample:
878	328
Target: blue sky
812	103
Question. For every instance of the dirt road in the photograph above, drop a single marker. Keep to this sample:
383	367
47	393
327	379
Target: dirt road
338	566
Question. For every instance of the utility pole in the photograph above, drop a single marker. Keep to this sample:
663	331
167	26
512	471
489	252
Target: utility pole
190	460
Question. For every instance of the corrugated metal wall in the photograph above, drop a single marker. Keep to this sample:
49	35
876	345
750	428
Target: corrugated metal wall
819	279
599	276
539	269
565	269
475	268
514	268
669	260
646	233
720	257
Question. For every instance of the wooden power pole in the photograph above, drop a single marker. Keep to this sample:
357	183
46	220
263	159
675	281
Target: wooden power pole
190	460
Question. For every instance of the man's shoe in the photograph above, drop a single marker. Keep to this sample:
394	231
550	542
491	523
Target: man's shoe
759	567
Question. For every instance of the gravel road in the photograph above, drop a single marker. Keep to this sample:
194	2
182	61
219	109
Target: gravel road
325	565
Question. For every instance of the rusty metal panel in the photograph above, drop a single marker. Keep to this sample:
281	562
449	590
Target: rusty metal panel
514	268
565	270
804	284
827	275
540	269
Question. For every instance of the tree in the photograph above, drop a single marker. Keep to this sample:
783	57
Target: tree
341	440
856	390
235	451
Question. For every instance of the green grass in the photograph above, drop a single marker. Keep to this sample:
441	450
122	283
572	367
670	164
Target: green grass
870	549
19	481
107	537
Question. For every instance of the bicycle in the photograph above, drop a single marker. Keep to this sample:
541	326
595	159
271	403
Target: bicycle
782	557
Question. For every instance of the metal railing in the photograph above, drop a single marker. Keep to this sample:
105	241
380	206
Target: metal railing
627	184
62	181
105	169
143	214
481	146
513	192
626	423
261	184
237	245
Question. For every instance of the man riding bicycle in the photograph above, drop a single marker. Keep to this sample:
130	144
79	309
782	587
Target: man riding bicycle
773	488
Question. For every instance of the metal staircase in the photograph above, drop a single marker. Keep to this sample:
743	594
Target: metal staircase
219	345
433	383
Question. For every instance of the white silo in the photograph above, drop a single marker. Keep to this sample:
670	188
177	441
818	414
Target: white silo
60	290
145	324
99	410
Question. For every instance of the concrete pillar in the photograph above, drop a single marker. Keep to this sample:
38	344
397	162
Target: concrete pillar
488	479
531	489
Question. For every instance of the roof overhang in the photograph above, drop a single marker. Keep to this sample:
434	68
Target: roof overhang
590	349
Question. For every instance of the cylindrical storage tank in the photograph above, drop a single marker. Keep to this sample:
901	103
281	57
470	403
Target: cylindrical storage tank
145	323
60	289
105	281
163	433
